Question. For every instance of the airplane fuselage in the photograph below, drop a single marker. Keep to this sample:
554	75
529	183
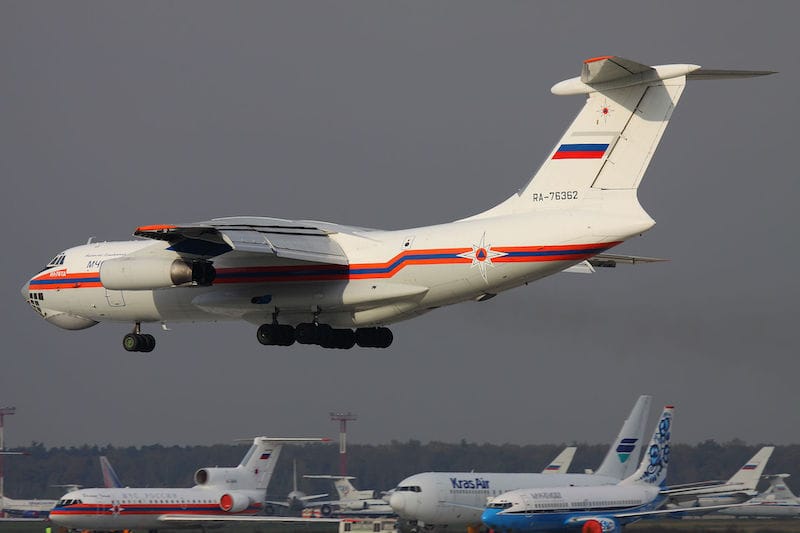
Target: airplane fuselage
457	499
390	275
120	509
554	508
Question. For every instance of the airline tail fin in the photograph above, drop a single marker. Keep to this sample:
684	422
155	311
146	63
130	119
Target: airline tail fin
749	474
778	491
620	461
254	471
653	468
562	462
110	478
608	147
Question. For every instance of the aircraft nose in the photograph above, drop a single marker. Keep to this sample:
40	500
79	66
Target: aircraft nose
397	502
25	290
489	518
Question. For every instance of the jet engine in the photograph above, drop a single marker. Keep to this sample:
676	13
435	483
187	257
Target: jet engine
601	524
233	502
145	273
217	477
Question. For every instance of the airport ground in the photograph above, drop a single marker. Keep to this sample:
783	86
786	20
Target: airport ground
661	526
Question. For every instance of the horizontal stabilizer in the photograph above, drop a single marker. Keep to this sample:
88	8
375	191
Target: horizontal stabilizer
609	68
711	74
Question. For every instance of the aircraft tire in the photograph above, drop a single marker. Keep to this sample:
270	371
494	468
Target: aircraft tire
325	510
266	334
306	333
148	344
269	509
374	337
285	335
131	342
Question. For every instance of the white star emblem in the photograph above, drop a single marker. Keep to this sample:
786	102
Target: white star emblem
116	509
482	255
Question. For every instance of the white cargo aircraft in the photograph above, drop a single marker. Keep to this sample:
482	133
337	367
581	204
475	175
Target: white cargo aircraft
455	500
220	492
313	282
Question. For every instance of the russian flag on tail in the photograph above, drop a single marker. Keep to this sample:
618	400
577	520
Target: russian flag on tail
581	151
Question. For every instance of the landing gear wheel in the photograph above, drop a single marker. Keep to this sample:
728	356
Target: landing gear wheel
310	333
275	335
131	342
136	342
148	344
342	339
374	337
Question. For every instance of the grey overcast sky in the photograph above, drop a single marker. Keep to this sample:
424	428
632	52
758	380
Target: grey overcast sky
390	115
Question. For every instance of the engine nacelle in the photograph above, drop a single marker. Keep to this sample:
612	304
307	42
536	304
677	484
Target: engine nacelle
601	524
233	502
145	273
224	478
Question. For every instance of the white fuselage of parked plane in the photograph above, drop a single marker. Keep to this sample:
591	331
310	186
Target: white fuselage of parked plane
457	499
132	508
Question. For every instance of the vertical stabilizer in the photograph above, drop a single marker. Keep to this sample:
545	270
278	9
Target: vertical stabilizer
621	459
653	468
562	462
110	478
748	475
778	491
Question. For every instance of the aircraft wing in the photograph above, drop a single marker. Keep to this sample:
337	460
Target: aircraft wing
301	240
186	520
662	512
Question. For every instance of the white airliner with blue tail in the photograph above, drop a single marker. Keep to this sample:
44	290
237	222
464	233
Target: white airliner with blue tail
599	509
436	501
337	286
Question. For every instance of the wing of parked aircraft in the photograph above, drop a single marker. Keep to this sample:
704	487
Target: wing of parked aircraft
187	520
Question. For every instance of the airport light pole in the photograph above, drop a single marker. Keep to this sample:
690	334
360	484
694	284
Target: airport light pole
343	418
3	412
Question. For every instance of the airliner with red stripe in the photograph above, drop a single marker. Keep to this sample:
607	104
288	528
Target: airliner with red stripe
335	286
219	492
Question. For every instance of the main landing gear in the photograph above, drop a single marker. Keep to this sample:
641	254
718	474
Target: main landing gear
323	335
138	342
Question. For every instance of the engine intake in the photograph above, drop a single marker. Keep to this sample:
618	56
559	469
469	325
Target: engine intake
145	273
232	502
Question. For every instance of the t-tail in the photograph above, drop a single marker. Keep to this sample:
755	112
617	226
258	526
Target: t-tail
256	468
778	491
621	459
653	467
600	160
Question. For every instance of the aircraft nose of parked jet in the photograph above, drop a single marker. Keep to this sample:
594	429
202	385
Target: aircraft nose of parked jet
398	503
24	290
489	518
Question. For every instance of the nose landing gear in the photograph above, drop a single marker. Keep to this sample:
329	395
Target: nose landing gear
138	342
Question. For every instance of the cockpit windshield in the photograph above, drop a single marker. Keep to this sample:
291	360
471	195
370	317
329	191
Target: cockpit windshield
56	261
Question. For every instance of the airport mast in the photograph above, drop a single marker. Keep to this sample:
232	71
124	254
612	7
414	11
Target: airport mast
3	412
343	418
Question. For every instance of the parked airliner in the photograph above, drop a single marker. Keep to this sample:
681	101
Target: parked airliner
592	509
455	500
739	488
777	501
237	491
337	286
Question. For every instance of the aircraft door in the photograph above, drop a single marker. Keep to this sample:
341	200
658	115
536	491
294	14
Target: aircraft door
115	298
